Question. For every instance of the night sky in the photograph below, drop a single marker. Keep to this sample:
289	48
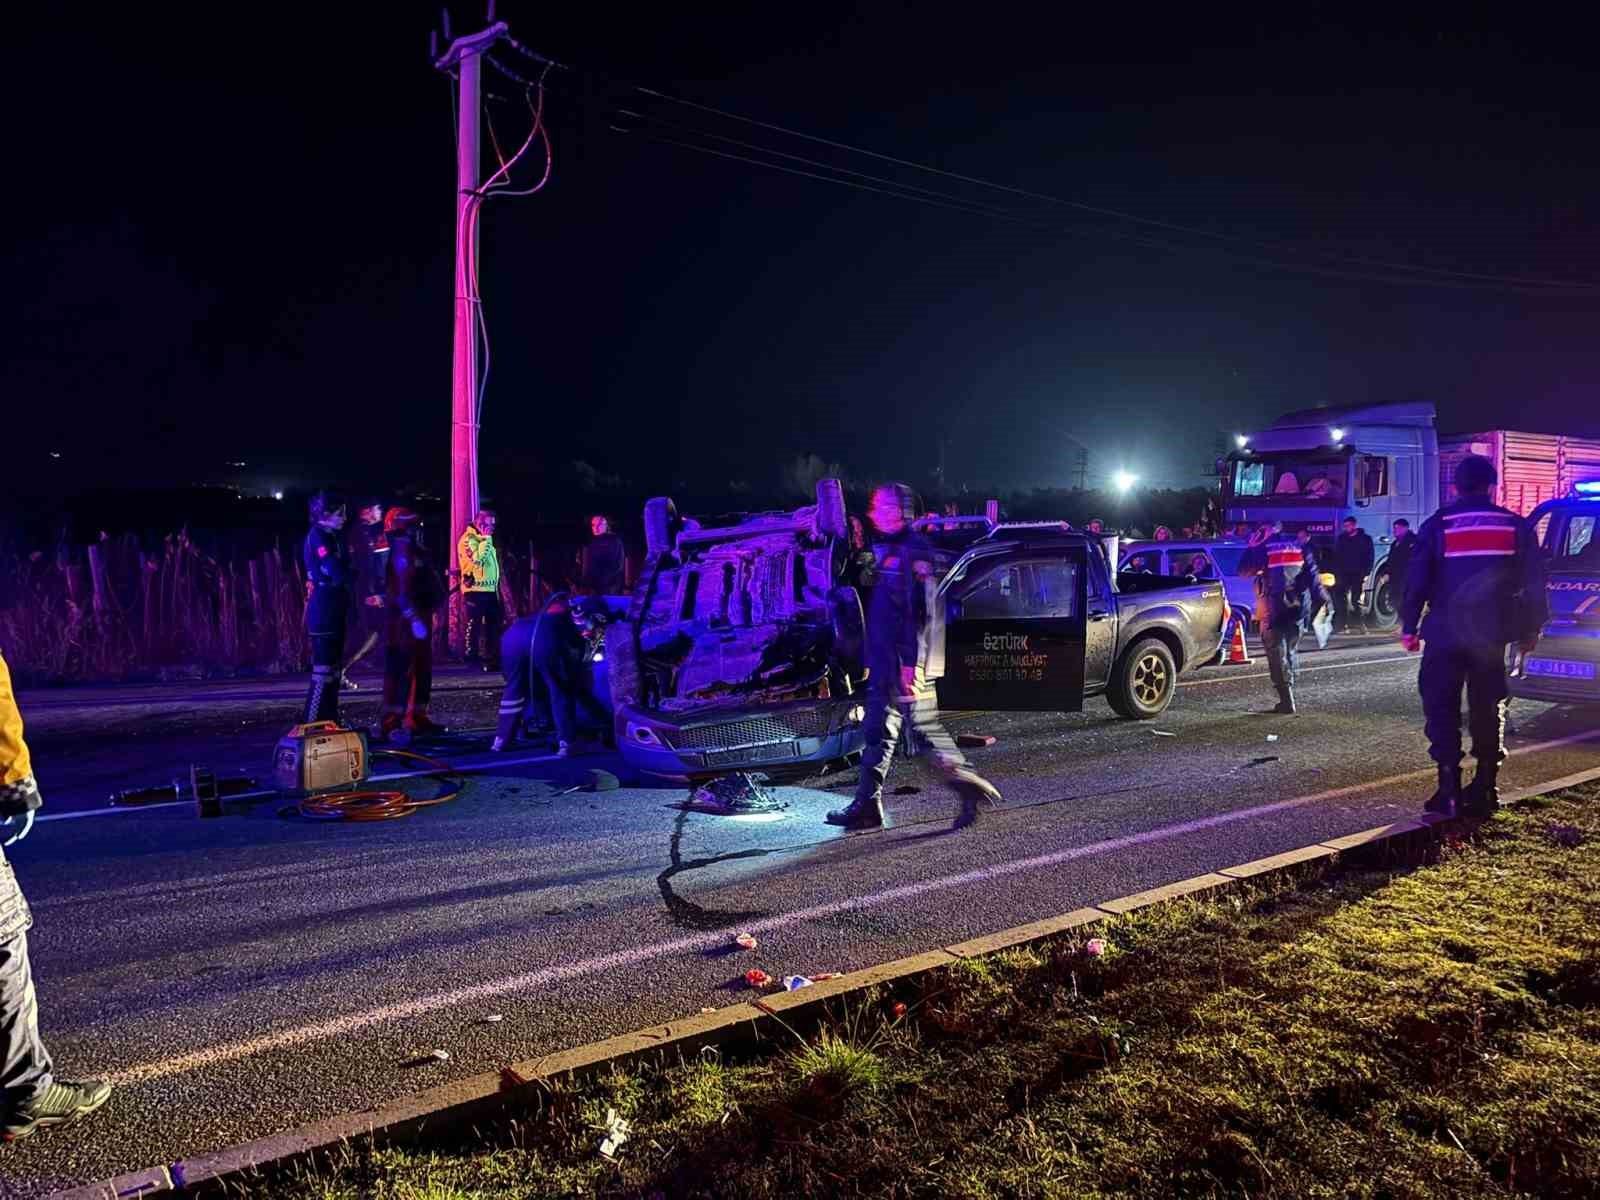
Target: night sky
234	244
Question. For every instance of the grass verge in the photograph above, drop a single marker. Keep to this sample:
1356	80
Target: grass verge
1423	1029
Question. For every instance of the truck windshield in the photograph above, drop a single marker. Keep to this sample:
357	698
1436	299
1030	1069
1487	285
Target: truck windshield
1573	545
1301	477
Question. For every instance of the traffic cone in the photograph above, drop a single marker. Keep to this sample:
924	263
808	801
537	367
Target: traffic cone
1238	655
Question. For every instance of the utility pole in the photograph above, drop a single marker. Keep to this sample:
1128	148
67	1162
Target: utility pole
464	58
1081	466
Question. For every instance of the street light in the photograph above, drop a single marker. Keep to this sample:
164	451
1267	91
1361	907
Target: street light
1123	482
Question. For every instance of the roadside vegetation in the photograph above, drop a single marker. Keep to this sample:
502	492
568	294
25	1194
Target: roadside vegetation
1415	1030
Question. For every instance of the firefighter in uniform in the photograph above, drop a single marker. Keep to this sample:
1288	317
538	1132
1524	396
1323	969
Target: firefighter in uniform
1476	572
327	563
31	1097
410	599
905	654
479	564
1288	594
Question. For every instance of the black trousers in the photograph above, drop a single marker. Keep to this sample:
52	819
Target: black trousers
1282	648
483	627
885	717
326	618
525	702
1481	670
1347	600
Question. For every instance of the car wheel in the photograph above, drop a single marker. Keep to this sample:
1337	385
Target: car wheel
831	518
1385	615
659	514
1144	680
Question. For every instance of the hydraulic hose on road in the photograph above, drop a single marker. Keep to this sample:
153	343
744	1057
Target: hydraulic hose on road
377	804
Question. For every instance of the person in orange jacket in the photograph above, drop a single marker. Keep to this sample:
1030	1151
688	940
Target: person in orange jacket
31	1097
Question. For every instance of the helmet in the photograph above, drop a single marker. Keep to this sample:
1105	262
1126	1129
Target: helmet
401	520
325	504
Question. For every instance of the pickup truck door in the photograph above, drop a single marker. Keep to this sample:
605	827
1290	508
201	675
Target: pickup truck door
1100	632
1014	634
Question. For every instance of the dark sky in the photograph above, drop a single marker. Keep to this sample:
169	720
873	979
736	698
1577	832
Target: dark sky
235	243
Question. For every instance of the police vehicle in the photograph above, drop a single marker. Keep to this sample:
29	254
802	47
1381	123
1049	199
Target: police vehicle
1565	667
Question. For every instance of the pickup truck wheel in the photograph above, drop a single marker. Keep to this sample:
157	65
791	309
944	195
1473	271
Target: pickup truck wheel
1143	681
1385	615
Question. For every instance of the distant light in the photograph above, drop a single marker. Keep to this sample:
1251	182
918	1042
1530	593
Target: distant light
1123	481
55	454
1338	434
1240	440
277	495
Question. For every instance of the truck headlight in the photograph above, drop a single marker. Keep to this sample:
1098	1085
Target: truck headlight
856	715
642	734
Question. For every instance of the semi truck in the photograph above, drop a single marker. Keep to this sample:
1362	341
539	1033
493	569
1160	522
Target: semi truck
1377	463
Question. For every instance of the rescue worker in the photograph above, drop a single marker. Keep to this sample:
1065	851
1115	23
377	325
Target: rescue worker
370	560
559	654
327	562
1477	573
1288	595
603	563
905	654
1095	526
479	564
525	700
1352	563
1399	561
410	598
31	1097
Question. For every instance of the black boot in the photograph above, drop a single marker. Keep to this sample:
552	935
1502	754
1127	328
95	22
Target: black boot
859	814
1444	800
974	791
1285	706
1481	797
322	699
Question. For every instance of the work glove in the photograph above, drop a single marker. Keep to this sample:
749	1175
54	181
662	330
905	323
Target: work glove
27	827
419	630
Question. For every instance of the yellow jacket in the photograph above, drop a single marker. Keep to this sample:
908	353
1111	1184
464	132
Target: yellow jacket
478	561
18	792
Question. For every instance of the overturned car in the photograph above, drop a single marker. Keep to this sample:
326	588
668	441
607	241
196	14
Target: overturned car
743	647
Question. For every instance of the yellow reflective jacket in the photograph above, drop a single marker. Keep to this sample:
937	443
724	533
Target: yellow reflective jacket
478	561
18	792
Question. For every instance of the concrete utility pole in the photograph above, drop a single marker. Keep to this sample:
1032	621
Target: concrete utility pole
464	57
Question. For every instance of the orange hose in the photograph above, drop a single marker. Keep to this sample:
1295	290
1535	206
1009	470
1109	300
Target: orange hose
377	805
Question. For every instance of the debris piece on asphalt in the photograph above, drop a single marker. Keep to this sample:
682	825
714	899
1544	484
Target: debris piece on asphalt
793	983
1265	758
734	795
491	1019
907	789
603	781
425	1058
1095	947
1163	733
974	741
757	978
616	1131
745	941
1272	737
707	1011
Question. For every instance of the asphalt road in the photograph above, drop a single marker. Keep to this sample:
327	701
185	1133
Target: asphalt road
242	975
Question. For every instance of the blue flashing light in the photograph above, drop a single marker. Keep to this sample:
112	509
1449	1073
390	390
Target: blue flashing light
1589	487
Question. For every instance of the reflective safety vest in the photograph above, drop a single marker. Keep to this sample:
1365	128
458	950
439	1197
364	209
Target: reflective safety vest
479	561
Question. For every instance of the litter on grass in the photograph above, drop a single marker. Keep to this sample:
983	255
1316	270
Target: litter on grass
616	1131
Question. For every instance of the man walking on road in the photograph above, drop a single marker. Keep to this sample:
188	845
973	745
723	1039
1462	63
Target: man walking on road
1288	595
905	653
1352	561
30	1096
1476	571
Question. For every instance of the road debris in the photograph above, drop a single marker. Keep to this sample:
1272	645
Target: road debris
974	741
1262	761
426	1058
793	983
757	978
1272	737
907	789
745	941
491	1019
616	1131
897	1009
734	795
603	781
1095	947
1162	733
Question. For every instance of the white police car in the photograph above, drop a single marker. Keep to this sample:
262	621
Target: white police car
1565	667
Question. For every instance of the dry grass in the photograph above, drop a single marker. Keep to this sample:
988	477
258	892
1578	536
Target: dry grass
1427	1030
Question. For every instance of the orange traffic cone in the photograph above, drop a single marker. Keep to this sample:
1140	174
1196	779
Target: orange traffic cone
1238	655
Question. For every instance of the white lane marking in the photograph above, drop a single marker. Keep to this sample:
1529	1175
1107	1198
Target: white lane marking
266	792
351	1023
1365	662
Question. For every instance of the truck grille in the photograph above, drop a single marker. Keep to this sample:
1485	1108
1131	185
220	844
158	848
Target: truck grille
752	731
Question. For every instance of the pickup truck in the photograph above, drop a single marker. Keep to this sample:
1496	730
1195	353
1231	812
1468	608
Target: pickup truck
743	646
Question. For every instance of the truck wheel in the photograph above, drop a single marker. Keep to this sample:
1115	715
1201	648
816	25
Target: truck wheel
1144	680
659	514
1385	615
831	518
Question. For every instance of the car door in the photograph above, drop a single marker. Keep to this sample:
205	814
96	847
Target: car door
1014	634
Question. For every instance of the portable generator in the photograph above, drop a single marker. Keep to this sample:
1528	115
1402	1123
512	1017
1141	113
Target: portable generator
319	756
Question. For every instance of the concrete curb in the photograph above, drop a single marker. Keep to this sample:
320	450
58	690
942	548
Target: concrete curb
454	1104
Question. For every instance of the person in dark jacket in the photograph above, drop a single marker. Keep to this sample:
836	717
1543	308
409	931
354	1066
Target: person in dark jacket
1398	563
1288	595
32	1096
1475	583
410	599
559	654
905	654
327	563
603	563
369	556
1352	562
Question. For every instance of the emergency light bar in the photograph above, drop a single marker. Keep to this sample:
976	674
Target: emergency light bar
1589	487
